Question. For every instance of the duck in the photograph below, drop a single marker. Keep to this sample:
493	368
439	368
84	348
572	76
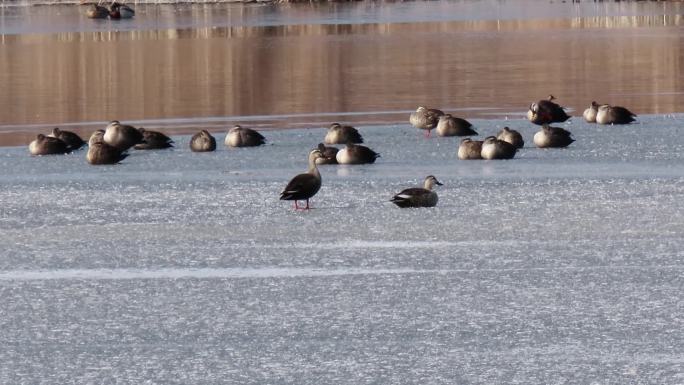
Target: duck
153	140
339	134
608	114
590	113
202	141
552	137
306	185
470	149
100	152
329	154
425	119
356	154
120	11
96	11
47	145
546	111
122	136
511	136
239	136
418	196
448	125
73	141
493	148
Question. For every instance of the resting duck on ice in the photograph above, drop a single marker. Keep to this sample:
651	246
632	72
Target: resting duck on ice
418	196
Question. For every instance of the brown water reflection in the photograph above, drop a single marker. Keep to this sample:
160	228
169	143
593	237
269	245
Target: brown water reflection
293	73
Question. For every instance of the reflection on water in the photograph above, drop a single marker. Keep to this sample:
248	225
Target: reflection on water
291	73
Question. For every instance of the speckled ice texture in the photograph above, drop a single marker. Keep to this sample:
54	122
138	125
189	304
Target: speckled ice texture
561	266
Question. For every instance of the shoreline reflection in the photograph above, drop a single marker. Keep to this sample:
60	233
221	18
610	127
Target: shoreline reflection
481	67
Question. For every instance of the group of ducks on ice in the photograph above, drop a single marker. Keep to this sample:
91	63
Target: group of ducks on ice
109	146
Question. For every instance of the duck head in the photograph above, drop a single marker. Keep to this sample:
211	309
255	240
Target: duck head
315	154
430	182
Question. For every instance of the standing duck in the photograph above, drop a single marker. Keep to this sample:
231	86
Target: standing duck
546	111
99	152
202	141
470	149
47	145
608	114
493	148
356	154
329	154
304	186
448	125
73	141
120	11
96	11
339	134
590	113
239	136
511	136
425	119
122	136
418	196
552	137
153	140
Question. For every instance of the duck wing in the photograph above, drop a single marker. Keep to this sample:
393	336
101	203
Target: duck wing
102	153
352	134
621	115
56	145
559	131
252	137
302	186
71	139
131	135
623	111
363	153
410	196
464	127
154	140
551	112
411	193
432	116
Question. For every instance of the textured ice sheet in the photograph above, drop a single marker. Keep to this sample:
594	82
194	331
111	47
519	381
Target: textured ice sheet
559	266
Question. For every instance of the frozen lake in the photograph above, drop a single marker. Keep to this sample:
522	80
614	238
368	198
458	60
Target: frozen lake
560	266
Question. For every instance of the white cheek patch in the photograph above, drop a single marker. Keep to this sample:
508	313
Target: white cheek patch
342	156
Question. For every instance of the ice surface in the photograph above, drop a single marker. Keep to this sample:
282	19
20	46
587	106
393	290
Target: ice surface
559	266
